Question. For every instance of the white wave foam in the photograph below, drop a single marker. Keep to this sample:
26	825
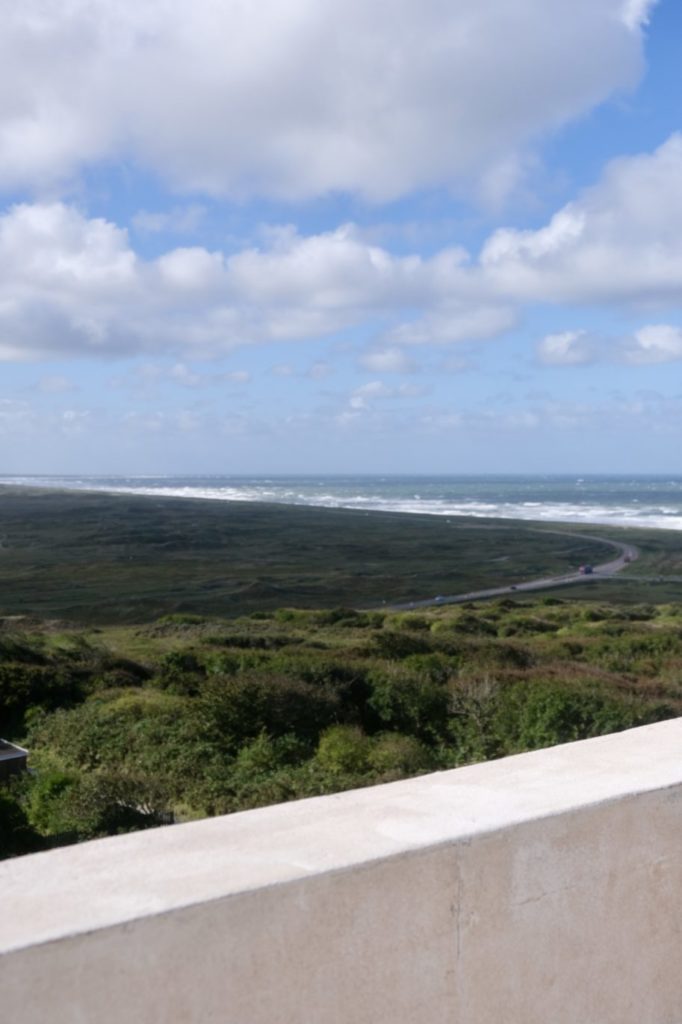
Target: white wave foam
640	514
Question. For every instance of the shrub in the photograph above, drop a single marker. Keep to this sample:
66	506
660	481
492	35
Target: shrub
67	806
409	703
394	645
411	622
236	709
394	756
343	750
543	714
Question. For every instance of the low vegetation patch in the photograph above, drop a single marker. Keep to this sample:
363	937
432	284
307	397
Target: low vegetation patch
133	726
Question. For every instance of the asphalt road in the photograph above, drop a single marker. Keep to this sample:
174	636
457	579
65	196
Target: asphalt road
627	553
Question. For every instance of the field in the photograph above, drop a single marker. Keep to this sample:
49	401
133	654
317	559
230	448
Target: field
94	558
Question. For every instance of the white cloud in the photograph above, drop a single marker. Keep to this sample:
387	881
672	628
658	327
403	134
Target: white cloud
649	344
192	270
54	244
455	322
295	98
364	396
366	392
655	343
567	348
636	12
387	360
620	241
69	284
338	270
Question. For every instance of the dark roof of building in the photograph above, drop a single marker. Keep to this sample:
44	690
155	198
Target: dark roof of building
10	750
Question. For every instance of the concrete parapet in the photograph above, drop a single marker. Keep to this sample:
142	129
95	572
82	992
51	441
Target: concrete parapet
545	888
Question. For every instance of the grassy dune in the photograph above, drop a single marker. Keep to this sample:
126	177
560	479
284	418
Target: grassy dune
100	558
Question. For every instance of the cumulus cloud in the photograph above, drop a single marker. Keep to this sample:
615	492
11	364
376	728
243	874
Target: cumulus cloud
62	277
70	284
294	98
619	241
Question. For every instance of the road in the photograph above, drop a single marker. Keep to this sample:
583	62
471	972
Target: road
627	553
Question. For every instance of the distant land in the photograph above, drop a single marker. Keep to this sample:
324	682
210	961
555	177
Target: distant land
96	557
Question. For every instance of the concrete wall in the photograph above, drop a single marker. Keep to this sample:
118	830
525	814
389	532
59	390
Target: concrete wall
542	889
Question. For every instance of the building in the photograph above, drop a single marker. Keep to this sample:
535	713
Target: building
12	759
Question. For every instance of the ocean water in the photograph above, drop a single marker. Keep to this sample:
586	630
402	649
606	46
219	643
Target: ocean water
652	501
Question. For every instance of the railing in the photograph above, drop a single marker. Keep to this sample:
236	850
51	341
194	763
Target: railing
541	889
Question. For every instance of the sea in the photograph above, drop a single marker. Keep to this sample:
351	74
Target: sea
650	501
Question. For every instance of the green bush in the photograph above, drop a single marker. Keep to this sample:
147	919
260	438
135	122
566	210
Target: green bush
542	714
409	703
237	709
344	750
394	756
65	807
395	645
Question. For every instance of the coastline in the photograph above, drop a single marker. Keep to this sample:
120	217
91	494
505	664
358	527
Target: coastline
653	502
96	557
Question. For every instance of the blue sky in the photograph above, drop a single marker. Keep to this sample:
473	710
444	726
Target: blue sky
358	236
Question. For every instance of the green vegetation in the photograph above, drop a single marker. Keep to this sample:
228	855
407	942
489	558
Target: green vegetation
157	660
97	558
131	726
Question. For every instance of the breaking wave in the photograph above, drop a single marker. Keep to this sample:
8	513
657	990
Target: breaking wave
632	501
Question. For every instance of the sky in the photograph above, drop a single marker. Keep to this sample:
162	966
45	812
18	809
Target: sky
340	236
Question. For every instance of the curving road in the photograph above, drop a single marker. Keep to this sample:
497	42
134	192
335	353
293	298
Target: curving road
627	553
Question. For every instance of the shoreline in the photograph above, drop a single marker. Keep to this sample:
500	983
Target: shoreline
361	505
99	557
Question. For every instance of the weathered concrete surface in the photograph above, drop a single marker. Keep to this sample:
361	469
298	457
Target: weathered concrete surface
542	889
